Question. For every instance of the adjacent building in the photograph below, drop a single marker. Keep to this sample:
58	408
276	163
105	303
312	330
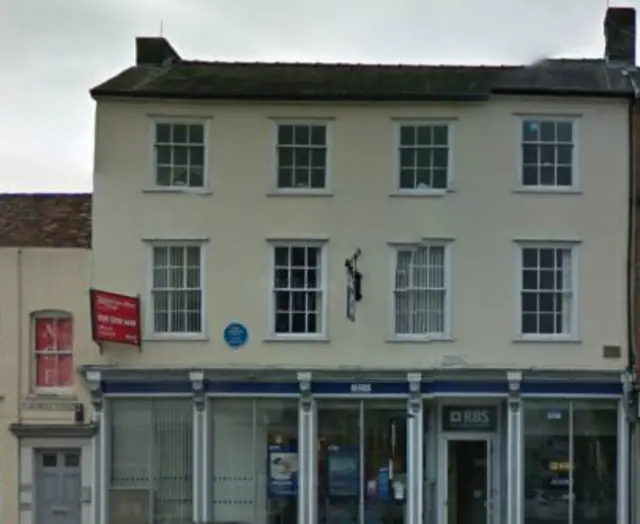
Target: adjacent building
45	457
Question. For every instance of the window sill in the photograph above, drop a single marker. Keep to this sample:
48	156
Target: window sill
546	340
178	190
420	194
300	193
53	396
200	337
419	340
297	340
548	190
61	401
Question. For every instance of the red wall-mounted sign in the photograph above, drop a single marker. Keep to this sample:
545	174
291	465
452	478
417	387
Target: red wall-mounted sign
115	318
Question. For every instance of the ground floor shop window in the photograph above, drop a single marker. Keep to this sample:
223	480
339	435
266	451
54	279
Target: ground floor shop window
150	445
361	462
570	462
254	452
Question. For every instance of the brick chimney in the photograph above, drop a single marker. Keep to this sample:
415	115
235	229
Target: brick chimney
620	35
154	50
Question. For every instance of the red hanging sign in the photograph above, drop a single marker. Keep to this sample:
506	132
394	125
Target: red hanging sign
115	318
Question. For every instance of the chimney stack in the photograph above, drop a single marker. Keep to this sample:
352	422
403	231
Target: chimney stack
154	50
620	35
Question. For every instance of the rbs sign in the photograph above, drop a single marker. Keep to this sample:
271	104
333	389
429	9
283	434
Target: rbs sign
469	418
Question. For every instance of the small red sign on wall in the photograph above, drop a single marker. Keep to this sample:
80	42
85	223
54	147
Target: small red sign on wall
115	318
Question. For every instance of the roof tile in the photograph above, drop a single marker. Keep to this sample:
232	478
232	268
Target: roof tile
45	220
178	78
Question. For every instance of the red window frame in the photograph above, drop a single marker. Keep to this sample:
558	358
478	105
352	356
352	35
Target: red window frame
53	352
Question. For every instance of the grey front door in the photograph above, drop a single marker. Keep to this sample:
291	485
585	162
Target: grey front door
58	486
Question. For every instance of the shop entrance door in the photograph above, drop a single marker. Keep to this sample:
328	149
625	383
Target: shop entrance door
467	480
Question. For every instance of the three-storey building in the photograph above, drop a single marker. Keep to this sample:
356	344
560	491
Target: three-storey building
368	292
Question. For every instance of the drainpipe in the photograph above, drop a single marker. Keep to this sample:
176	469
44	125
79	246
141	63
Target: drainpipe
631	296
20	337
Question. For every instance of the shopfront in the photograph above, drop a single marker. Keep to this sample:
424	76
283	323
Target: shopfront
394	449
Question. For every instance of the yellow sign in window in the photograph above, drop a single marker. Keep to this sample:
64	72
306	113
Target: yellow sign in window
559	466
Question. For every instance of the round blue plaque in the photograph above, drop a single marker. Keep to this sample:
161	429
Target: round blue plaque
235	335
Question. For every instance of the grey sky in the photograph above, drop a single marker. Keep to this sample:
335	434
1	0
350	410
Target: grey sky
55	50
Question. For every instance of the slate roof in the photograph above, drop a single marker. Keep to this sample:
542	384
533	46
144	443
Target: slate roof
45	220
169	76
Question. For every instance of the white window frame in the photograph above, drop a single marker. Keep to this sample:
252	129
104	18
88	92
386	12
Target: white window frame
397	126
571	245
150	333
186	120
323	332
447	244
49	314
327	123
575	158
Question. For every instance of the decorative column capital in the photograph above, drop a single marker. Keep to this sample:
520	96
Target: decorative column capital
415	393
197	388
304	384
94	381
514	380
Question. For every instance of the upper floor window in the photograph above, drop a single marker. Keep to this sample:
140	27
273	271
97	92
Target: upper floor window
302	156
177	289
53	351
180	154
298	289
423	157
421	291
548	153
547	290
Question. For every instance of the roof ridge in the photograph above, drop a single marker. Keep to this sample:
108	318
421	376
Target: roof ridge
241	63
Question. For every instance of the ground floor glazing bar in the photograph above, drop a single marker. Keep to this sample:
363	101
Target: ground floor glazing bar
394	450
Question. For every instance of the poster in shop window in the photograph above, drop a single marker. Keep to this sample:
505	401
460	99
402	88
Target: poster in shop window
344	471
283	470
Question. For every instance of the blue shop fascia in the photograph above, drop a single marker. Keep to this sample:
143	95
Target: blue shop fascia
439	418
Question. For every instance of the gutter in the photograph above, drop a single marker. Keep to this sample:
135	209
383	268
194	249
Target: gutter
20	337
292	97
483	96
573	93
632	358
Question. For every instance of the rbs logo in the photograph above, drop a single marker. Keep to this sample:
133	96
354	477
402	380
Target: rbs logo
470	417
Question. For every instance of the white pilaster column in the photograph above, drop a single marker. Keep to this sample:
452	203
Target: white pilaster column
98	449
415	446
197	384
206	463
514	453
306	452
624	448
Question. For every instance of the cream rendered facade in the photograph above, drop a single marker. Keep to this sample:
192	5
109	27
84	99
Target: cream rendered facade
312	383
41	281
484	214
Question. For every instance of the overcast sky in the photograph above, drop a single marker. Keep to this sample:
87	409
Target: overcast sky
53	51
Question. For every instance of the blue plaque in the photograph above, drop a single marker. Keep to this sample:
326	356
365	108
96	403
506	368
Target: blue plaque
235	335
